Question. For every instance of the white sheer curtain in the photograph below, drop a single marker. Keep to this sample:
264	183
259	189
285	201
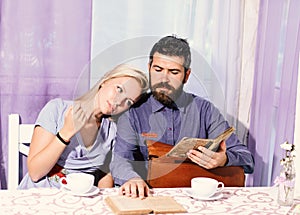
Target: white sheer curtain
227	36
296	131
222	44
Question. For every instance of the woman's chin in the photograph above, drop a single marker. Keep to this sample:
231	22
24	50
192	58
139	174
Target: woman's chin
111	113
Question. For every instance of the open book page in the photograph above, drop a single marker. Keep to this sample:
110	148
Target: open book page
153	204
186	143
125	205
164	204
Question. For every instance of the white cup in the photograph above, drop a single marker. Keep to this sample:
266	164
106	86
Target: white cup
206	187
78	183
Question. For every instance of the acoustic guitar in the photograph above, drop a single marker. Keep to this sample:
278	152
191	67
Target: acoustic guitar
165	171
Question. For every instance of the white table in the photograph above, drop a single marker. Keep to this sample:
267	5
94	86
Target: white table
245	200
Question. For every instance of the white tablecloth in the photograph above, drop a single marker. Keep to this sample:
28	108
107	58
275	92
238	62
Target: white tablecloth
250	200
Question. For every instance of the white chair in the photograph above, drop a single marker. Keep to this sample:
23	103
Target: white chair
19	137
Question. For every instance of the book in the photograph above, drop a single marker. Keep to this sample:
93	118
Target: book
187	143
122	205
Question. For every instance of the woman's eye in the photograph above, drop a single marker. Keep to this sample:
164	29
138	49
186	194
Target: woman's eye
129	103
119	89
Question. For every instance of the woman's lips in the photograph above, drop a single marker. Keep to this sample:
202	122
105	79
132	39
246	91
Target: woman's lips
111	109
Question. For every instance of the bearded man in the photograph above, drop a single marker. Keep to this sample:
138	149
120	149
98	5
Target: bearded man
167	114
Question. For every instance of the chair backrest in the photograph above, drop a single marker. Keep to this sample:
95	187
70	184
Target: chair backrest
19	137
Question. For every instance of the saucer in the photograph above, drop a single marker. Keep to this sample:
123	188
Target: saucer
195	196
93	191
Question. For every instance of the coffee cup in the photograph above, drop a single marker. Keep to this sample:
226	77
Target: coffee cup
78	183
206	187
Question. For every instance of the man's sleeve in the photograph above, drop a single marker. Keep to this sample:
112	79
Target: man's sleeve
123	160
237	153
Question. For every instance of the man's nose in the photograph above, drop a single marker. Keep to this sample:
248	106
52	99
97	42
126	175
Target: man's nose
164	76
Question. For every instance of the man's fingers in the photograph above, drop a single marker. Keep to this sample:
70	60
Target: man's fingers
222	147
201	154
121	190
141	190
201	158
206	152
148	191
128	190
135	188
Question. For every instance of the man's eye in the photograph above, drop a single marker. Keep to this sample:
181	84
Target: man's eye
175	72
119	89
129	103
158	70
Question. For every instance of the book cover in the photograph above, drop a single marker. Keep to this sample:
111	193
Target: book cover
122	205
186	143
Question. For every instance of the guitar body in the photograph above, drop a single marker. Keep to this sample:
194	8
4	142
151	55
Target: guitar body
177	172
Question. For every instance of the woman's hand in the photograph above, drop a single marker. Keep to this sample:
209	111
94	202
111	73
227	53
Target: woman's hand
75	119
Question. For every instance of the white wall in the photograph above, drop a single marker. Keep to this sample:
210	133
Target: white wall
125	31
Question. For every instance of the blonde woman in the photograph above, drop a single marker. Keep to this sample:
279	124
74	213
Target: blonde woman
78	136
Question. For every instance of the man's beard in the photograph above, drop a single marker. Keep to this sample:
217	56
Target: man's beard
167	100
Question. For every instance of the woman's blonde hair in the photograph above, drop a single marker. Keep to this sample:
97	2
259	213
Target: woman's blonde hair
122	70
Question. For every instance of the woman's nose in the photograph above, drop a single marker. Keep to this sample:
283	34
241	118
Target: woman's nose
119	99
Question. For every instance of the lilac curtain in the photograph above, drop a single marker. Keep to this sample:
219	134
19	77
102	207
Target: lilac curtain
274	88
44	47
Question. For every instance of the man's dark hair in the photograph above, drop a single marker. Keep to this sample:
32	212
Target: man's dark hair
173	46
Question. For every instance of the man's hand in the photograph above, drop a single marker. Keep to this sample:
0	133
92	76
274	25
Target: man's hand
207	158
135	187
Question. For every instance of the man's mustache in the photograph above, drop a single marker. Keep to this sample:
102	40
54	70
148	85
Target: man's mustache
163	84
